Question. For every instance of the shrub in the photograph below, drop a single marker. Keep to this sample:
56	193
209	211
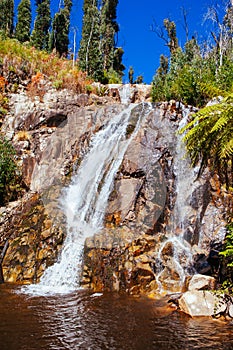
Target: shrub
9	179
227	259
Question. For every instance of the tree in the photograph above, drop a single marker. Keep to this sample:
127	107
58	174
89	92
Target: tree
23	26
108	29
59	39
90	56
222	32
139	79
167	33
159	81
98	54
40	33
170	27
131	73
118	66
6	16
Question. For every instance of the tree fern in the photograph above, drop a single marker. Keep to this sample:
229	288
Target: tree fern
209	138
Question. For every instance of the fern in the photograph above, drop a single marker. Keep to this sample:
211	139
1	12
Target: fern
209	138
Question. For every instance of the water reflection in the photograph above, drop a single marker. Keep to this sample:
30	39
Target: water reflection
79	321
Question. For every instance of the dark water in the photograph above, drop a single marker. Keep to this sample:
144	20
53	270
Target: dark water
111	321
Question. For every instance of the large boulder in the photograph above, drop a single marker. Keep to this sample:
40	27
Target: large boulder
202	303
202	282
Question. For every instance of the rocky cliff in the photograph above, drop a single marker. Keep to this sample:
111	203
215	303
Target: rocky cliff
160	223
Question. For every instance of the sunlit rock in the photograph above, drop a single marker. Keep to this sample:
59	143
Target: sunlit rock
202	303
202	282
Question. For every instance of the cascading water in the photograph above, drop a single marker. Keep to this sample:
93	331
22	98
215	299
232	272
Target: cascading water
125	92
180	261
85	200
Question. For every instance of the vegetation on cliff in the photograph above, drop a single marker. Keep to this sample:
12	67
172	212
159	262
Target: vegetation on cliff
197	72
99	56
9	176
209	139
23	64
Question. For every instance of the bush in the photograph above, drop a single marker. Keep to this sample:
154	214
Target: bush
9	179
227	258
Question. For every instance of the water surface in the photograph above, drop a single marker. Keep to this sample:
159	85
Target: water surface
111	321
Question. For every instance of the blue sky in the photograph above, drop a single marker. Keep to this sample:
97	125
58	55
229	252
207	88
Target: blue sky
142	47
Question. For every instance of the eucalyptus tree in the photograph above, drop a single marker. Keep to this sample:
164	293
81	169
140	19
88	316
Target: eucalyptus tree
40	33
131	74
24	18
222	30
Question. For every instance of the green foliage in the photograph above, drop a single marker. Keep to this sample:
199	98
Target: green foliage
209	139
191	75
90	57
8	172
117	61
111	77
170	27
108	30
131	73
6	16
40	33
227	260
22	30
59	39
228	248
98	54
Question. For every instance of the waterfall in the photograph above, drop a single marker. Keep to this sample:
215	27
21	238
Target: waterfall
125	92
180	261
84	202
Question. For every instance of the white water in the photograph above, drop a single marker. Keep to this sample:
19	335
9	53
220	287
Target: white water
84	203
125	92
182	258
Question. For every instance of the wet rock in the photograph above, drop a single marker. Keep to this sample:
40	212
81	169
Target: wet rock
230	310
34	242
202	303
202	282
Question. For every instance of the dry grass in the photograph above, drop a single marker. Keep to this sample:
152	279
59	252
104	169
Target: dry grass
38	67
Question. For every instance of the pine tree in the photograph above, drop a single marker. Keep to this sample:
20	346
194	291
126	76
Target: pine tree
22	30
40	33
59	39
6	16
90	56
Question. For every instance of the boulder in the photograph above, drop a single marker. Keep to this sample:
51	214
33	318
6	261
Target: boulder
201	282
202	303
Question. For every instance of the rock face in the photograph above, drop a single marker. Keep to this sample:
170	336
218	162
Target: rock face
50	137
35	238
157	221
158	224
